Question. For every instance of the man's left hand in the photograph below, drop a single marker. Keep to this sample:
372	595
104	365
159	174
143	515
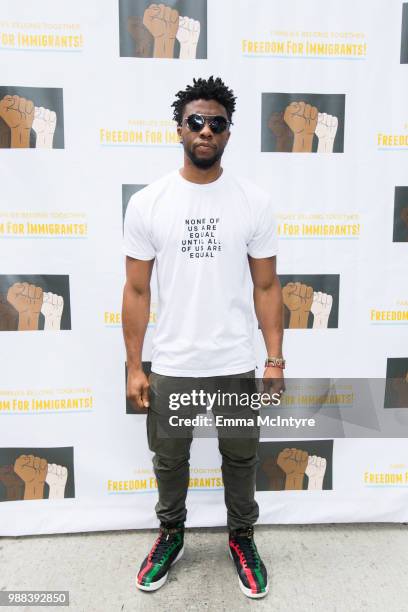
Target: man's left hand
273	380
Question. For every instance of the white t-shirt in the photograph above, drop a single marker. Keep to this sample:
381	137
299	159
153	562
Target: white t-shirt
200	236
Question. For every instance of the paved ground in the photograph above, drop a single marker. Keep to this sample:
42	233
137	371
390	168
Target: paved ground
328	568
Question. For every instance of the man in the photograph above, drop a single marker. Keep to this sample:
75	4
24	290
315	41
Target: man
206	230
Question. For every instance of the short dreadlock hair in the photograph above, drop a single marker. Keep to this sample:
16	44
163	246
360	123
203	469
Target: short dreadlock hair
202	89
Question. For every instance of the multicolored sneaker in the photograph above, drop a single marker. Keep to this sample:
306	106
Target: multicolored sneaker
252	575
167	549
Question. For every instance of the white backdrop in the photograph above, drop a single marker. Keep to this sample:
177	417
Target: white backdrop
95	460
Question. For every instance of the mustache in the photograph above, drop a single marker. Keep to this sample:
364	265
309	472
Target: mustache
204	163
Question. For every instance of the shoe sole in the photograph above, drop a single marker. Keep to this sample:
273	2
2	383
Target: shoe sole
153	586
245	589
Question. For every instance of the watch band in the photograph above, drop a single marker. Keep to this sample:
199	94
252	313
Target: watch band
275	362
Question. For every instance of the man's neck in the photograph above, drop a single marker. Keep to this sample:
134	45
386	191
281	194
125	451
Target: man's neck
191	173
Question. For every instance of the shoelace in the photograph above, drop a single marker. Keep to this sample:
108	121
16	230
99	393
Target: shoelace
247	549
161	546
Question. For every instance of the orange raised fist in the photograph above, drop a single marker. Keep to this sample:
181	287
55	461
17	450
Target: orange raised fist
27	300
302	120
298	298
18	114
293	462
162	21
33	470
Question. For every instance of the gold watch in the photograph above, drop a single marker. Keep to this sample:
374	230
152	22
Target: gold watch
275	362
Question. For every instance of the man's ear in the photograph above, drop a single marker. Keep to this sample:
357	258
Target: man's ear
179	133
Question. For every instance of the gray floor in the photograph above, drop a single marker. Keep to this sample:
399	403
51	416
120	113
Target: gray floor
330	568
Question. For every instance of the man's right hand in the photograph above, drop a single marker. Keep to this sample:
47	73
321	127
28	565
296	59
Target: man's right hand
138	388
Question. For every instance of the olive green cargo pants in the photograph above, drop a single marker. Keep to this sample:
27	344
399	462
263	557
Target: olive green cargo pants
171	448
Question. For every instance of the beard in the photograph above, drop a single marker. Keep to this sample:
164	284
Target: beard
203	163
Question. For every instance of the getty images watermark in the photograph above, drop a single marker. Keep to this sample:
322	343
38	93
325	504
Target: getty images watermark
308	407
238	401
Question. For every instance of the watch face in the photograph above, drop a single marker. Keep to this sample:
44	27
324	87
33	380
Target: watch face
275	362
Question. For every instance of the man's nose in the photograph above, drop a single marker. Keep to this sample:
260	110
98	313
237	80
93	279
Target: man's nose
206	132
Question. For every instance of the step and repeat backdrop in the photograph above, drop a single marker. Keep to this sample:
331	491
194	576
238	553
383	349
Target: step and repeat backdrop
85	122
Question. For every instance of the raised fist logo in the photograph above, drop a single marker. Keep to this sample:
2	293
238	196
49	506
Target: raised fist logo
293	462
301	117
302	120
143	40
13	484
396	392
27	300
326	129
298	296
162	22
18	114
281	131
5	135
33	470
188	34
276	476
44	124
56	479
404	215
8	315
315	470
52	308
298	299
321	308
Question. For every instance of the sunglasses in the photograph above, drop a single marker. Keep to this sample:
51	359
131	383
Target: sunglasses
216	123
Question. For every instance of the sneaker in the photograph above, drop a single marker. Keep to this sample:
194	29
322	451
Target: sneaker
167	549
252	575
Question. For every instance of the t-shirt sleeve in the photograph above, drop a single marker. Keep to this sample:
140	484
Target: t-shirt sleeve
137	241
264	239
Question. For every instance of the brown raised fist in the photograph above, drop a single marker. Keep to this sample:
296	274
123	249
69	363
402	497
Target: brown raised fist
404	215
13	484
397	392
284	136
5	135
8	315
275	474
142	38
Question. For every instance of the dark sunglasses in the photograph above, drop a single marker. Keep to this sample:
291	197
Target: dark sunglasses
216	123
